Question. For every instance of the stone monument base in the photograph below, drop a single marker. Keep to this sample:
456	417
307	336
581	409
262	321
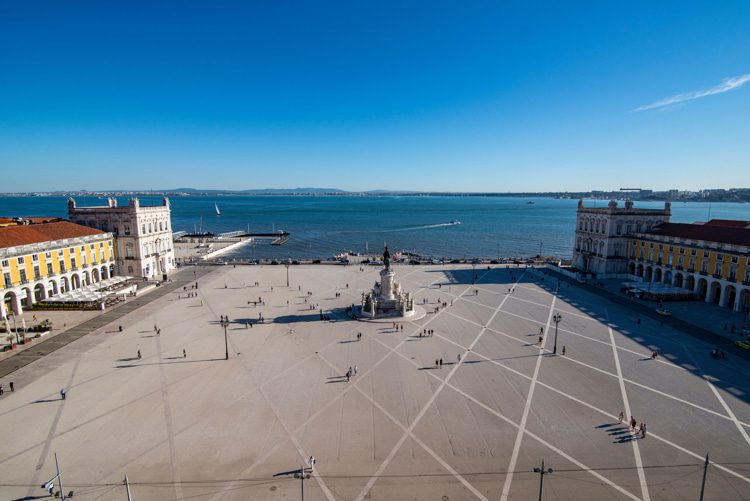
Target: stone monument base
391	316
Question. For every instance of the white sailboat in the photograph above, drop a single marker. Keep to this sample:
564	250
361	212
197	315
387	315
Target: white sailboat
218	212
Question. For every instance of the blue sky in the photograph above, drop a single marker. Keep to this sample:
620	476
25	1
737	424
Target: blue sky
450	96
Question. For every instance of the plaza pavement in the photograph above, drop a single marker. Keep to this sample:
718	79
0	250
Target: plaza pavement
201	427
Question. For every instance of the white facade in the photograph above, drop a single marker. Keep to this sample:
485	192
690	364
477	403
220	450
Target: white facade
601	246
143	235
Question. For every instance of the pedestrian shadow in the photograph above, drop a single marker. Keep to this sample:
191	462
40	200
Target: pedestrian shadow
173	358
348	341
129	359
152	335
143	332
46	400
129	366
336	379
30	498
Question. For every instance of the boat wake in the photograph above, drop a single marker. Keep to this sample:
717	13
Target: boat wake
422	227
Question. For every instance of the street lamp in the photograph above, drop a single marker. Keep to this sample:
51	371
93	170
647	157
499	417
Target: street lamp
225	323
556	319
286	264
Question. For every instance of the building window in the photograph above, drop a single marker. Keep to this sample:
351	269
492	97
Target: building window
83	259
72	263
23	276
129	250
6	278
619	228
650	255
127	229
733	272
48	255
704	266
734	259
680	260
5	262
130	269
37	273
35	258
62	266
669	259
20	260
50	271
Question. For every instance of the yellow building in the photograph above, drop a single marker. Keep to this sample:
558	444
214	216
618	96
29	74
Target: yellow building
39	261
710	260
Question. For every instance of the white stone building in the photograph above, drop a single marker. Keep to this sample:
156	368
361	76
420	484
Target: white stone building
601	245
143	235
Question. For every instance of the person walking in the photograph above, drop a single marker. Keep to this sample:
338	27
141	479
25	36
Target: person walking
62	394
184	353
441	363
620	417
633	423
12	389
1	390
139	354
643	430
355	370
458	358
540	339
563	350
311	462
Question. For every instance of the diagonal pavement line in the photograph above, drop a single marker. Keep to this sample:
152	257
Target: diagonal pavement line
594	368
526	409
516	425
636	449
427	405
721	400
298	446
606	413
168	425
432	453
330	403
51	433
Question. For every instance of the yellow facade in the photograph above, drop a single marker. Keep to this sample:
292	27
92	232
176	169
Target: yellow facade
728	260
72	259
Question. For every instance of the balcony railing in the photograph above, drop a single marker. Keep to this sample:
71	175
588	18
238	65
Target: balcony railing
704	273
717	275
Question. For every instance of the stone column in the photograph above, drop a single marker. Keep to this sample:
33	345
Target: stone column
386	284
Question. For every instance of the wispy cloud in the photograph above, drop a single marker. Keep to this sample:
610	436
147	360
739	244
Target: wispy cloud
725	86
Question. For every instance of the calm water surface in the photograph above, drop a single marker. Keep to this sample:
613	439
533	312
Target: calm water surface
322	226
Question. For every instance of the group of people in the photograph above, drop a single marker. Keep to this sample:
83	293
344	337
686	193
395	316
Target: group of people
634	426
12	388
426	333
351	372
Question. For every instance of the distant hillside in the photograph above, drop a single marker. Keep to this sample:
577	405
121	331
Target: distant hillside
263	191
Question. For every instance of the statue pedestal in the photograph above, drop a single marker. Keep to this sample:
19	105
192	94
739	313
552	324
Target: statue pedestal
386	284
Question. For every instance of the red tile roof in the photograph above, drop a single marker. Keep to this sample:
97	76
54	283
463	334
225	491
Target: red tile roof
11	236
728	223
709	233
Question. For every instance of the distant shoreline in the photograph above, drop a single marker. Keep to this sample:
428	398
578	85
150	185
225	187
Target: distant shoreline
733	196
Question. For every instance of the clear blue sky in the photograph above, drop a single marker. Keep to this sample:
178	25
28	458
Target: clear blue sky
454	96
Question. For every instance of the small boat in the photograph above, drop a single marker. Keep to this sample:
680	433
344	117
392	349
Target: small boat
218	212
530	202
454	222
664	312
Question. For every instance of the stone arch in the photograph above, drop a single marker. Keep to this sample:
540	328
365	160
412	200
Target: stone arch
668	277
701	288
40	294
95	275
690	282
631	268
648	274
104	273
714	292
75	281
639	269
728	296
29	299
657	275
111	270
86	278
64	284
743	303
679	280
11	303
52	288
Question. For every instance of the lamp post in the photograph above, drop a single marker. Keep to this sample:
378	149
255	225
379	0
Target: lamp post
557	317
286	264
225	323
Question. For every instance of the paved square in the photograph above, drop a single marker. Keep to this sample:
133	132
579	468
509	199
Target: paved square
201	427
